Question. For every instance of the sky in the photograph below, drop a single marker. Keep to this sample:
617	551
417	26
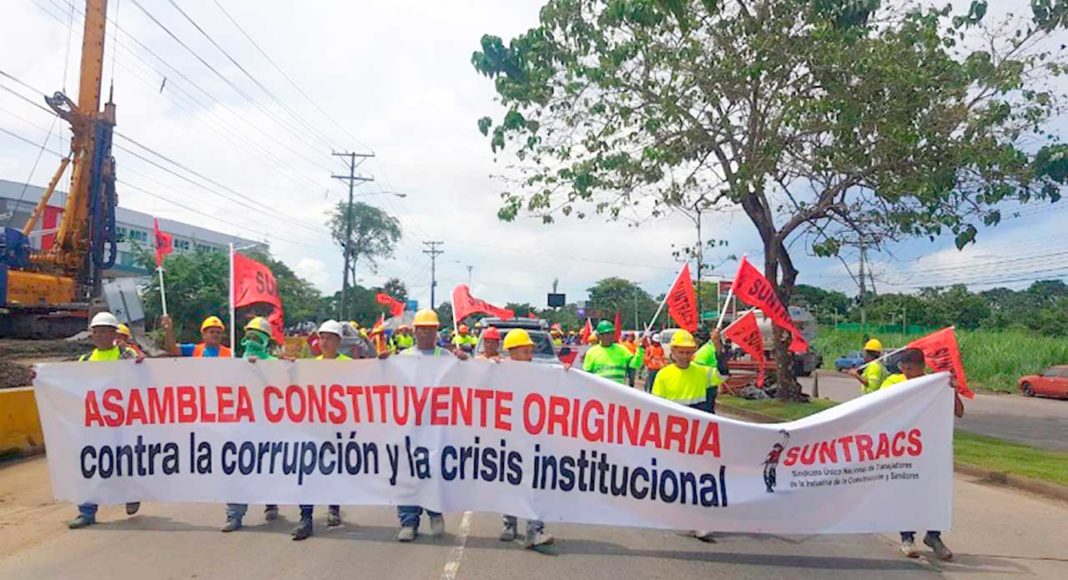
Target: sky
391	77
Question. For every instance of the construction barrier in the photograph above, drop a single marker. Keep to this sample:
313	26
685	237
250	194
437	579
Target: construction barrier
20	427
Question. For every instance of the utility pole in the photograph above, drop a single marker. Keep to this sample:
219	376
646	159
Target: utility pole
352	180
433	251
470	269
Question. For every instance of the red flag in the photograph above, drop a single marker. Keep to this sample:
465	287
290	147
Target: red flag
254	283
396	307
619	325
463	304
164	243
682	302
746	334
586	331
532	316
943	354
754	289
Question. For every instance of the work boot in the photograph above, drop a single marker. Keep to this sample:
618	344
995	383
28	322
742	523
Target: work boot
508	534
406	534
908	548
132	507
304	530
704	536
437	525
333	517
270	513
233	523
81	521
536	539
935	543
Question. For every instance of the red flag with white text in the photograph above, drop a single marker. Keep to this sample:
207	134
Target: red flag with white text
254	283
464	304
745	333
751	287
942	353
682	301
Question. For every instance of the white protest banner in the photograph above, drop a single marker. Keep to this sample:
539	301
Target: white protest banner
518	438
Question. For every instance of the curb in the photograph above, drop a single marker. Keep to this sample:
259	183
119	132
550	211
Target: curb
987	476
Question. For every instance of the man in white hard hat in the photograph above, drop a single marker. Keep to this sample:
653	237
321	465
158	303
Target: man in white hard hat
329	342
104	329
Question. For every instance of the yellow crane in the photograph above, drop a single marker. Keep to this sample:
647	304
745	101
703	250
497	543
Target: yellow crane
48	292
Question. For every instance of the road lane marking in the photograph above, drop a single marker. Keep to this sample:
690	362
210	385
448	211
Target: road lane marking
457	554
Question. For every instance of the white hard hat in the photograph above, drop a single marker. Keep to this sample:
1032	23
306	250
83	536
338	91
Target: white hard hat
104	319
331	326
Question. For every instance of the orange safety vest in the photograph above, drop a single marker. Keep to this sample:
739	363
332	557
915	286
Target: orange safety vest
654	357
198	351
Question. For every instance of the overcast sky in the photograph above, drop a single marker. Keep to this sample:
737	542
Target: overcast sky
393	77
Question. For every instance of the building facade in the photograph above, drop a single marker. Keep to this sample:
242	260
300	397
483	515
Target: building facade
133	229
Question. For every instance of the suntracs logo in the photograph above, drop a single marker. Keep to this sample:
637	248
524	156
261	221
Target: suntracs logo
857	448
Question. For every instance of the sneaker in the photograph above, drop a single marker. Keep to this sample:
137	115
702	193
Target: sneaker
81	521
271	513
132	507
333	518
908	548
406	534
941	551
535	539
704	536
508	534
302	531
437	525
232	524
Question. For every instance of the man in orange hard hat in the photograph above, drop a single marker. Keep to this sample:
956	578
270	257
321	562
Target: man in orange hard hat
491	343
464	340
212	332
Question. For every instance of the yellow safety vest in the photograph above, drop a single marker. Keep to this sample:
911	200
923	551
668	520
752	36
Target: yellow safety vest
688	386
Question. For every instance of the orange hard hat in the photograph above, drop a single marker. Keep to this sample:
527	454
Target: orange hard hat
463	328
491	333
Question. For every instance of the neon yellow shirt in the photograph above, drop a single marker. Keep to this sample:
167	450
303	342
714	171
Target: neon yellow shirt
612	362
113	353
706	357
893	380
686	386
874	374
338	357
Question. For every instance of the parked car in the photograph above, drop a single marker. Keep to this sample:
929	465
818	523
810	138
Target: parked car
1053	382
849	360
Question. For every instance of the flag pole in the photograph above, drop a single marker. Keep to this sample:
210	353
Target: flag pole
726	303
162	289
892	353
662	303
233	331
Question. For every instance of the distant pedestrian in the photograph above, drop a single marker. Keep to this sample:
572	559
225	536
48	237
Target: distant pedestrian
872	376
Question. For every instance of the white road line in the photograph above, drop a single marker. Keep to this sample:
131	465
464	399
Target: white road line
457	554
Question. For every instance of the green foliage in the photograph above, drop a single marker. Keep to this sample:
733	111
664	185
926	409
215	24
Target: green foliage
612	294
823	304
375	234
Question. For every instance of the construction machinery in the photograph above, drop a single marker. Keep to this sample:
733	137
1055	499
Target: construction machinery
48	292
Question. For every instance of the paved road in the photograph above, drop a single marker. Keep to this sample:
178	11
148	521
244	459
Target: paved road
1034	421
1001	533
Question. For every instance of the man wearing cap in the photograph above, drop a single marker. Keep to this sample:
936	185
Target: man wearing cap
103	333
491	344
329	343
610	359
210	346
521	349
871	377
426	334
257	343
686	383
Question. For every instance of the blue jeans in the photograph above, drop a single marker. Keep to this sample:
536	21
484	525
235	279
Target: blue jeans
409	515
533	526
238	510
88	510
306	509
911	536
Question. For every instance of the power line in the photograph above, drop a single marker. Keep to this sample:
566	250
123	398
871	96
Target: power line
433	251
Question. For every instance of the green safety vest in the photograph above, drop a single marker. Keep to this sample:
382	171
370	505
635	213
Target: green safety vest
113	353
612	362
688	386
339	357
403	340
706	357
874	374
438	351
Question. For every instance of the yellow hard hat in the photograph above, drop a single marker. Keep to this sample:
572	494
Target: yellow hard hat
683	339
592	338
212	322
259	323
426	317
124	330
873	344
517	338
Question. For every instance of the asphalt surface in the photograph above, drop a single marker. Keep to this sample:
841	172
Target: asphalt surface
1000	533
1035	421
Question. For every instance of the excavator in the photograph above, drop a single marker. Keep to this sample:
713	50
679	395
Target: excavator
48	293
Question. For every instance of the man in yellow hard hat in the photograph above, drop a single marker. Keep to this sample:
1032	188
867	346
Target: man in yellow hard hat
103	332
426	325
257	345
609	359
329	342
686	383
212	331
520	348
873	374
124	339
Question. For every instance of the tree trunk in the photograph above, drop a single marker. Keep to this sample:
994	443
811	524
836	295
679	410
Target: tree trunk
789	388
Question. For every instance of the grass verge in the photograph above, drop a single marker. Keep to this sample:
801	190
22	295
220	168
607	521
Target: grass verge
979	450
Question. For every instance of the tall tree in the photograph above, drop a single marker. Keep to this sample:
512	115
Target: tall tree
609	295
395	288
374	235
821	120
